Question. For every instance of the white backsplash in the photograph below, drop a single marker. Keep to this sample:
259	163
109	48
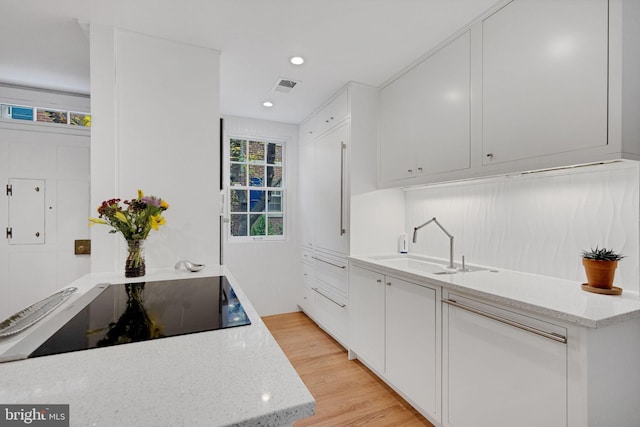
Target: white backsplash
536	223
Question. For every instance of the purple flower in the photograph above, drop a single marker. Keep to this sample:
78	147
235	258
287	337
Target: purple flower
150	200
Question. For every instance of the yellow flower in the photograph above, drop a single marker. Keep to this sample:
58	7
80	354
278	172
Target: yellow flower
164	204
140	194
157	220
94	221
121	216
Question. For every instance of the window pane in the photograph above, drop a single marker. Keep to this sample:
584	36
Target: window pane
17	113
238	225
275	225
51	116
255	168
238	150
274	176
274	154
256	151
238	200
256	176
258	225
275	201
80	119
238	174
257	201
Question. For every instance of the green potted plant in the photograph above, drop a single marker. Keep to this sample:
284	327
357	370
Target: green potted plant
600	266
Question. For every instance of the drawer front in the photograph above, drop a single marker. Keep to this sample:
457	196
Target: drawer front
331	316
336	111
333	273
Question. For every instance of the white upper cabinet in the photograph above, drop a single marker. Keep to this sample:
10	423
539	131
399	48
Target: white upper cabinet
308	129
531	85
333	113
425	125
544	78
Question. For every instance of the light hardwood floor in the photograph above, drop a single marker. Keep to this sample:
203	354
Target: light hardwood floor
346	392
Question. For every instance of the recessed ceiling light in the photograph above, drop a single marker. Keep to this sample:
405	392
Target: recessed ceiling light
297	60
267	104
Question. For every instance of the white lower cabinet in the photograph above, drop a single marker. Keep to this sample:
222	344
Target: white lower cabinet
413	343
305	299
395	331
367	315
330	289
498	371
331	315
463	361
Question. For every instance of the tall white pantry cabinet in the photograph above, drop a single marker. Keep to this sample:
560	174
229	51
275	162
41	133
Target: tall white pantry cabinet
337	160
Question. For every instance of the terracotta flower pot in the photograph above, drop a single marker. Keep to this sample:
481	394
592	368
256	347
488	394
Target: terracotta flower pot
600	273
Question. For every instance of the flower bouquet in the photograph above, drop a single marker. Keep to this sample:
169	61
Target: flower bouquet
135	220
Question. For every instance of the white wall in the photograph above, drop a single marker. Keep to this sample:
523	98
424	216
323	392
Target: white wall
156	127
60	156
377	221
536	223
269	271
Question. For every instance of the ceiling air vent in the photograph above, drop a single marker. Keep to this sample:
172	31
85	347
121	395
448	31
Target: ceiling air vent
285	85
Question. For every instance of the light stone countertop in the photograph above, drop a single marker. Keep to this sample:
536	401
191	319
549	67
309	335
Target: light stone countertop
228	377
555	298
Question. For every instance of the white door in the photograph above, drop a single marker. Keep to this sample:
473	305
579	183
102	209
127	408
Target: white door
366	312
443	143
26	211
497	375
398	106
544	78
412	348
331	191
425	116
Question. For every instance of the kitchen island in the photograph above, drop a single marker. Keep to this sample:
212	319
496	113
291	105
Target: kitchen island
237	376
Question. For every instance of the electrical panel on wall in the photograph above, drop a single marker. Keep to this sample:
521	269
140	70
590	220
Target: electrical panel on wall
26	211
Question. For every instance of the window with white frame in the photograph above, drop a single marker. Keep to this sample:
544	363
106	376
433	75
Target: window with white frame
256	188
44	115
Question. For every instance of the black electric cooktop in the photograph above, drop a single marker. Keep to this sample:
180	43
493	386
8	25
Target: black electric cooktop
127	313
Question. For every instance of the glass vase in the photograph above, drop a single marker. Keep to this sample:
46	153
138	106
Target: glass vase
134	265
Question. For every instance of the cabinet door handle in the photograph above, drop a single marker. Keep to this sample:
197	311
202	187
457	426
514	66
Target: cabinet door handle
343	148
490	156
330	299
330	263
550	335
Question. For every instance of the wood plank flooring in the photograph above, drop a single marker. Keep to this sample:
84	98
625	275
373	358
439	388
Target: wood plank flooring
346	392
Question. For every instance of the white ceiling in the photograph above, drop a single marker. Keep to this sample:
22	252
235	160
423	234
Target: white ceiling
367	41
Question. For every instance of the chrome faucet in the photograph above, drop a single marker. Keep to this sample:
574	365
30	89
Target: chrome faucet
415	238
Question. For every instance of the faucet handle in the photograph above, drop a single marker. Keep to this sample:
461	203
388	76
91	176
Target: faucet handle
464	267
